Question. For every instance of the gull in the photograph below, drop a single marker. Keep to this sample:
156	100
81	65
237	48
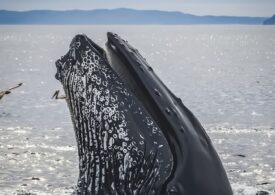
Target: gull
6	92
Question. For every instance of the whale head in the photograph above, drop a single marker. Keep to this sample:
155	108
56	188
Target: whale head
134	135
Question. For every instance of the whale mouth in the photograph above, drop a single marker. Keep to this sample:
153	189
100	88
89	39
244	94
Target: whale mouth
194	158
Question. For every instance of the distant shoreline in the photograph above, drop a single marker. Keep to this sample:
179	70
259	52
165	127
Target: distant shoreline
133	25
121	16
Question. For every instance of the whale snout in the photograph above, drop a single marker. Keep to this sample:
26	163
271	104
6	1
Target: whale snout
75	62
66	62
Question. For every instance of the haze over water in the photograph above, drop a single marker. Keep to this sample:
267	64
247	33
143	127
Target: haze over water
224	74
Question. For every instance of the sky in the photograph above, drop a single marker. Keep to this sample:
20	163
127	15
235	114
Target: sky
199	7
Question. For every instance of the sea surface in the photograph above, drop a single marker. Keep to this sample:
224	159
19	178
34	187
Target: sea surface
224	74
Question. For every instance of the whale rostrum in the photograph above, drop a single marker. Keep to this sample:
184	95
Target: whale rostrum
134	136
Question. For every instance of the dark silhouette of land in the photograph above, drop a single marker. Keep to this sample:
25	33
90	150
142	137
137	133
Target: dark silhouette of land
270	21
118	16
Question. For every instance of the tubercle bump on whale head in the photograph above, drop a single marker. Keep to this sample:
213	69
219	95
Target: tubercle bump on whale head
79	47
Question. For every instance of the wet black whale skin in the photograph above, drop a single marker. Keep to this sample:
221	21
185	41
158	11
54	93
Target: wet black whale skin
197	168
185	164
121	149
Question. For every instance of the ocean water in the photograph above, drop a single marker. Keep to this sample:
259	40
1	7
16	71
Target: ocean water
224	74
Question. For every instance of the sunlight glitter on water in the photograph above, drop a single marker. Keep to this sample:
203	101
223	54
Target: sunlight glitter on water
224	74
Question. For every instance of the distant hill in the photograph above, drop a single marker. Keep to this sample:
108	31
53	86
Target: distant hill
118	16
270	21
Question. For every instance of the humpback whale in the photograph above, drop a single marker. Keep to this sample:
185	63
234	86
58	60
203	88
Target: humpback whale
134	136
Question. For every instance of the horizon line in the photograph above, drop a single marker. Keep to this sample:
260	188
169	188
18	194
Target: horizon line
110	9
